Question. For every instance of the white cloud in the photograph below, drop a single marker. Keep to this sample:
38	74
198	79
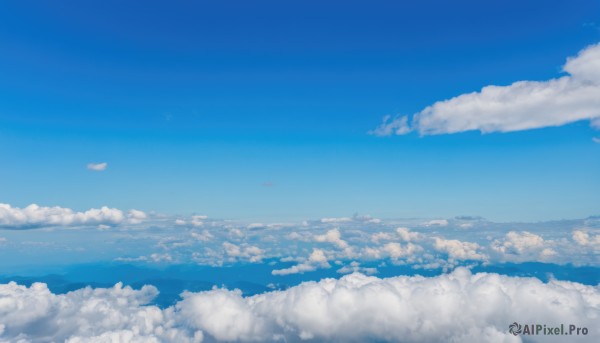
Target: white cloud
40	216
198	220
393	250
255	226
174	242
519	242
118	314
97	166
297	269
458	307
596	140
336	220
407	235
437	222
204	236
397	125
381	236
249	252
356	217
524	244
459	250
355	267
136	216
317	259
161	257
392	242
195	220
520	106
332	236
298	236
235	233
583	237
455	307
232	249
366	219
154	257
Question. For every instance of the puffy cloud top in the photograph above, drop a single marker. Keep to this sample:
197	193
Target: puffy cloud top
332	236
40	216
459	250
583	237
458	307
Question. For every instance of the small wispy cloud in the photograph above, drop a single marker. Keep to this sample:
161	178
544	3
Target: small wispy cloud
97	166
397	125
596	140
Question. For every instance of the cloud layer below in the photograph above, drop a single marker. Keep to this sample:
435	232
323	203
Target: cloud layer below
455	307
522	105
345	244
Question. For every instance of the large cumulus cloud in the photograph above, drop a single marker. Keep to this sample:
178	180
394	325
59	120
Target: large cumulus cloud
117	314
522	105
455	307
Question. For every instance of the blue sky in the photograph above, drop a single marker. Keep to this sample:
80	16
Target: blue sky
262	111
278	171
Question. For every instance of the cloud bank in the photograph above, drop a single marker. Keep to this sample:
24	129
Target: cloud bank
455	307
34	216
522	105
293	248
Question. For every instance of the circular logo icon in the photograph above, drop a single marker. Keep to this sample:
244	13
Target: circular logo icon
514	328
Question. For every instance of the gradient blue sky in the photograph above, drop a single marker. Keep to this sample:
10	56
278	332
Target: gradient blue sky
195	106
